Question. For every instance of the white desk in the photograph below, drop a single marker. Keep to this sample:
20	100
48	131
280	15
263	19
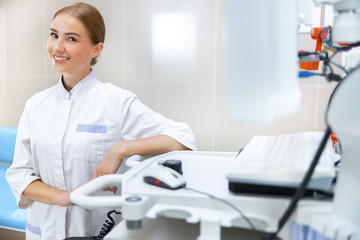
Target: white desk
193	216
173	229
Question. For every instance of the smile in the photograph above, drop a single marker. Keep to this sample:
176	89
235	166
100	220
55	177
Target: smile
61	58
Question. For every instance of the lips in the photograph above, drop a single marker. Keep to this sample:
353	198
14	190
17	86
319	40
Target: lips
61	58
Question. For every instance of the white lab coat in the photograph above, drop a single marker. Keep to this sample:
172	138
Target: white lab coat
62	136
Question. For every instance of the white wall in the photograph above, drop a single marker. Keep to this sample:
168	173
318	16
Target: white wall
190	89
3	54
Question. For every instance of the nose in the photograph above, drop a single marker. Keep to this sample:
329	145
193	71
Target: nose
58	46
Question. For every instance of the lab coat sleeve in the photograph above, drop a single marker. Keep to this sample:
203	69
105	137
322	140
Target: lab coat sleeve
21	173
139	121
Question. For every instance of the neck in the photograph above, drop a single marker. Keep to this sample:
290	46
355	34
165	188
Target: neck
70	80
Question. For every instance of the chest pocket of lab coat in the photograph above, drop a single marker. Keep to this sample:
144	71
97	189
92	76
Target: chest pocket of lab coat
87	144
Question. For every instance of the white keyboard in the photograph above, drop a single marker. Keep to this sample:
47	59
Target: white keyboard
283	161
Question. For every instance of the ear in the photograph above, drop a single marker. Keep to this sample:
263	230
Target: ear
97	49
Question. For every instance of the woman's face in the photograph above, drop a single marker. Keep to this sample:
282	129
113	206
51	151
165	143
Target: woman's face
69	46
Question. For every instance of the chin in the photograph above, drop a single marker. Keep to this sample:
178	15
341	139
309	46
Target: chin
59	69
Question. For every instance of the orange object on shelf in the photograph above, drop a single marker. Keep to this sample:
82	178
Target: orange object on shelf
315	34
333	138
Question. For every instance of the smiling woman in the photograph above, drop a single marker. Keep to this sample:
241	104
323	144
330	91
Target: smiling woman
90	18
80	129
72	46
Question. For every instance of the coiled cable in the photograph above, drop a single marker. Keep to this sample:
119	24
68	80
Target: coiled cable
108	225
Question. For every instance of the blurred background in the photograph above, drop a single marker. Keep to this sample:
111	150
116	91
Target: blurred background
168	52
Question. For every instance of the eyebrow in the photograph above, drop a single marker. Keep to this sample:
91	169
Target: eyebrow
69	33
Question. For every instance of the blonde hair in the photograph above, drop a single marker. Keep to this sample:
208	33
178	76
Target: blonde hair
91	18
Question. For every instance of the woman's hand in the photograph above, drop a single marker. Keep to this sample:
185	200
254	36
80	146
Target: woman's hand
110	163
145	146
41	192
63	199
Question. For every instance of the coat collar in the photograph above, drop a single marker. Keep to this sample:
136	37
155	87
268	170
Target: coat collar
81	87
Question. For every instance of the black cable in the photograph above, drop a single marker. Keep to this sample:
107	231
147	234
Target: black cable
232	206
323	56
108	225
302	188
327	65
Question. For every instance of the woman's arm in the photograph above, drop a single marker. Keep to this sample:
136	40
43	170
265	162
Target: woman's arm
146	146
41	192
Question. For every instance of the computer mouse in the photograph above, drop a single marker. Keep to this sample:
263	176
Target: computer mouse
164	177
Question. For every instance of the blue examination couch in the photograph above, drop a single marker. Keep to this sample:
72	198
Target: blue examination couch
11	217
